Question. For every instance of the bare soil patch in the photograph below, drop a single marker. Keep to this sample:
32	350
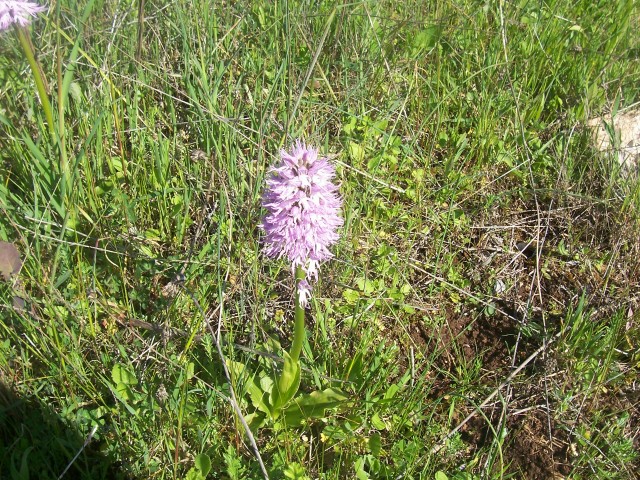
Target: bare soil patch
536	265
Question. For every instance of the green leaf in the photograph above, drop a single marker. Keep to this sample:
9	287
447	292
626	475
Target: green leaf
361	473
255	420
203	464
365	285
313	405
259	397
375	444
23	473
294	471
377	422
190	371
266	383
391	391
287	385
351	296
235	470
121	375
333	434
440	475
354	370
75	90
350	127
124	391
194	474
356	151
236	369
427	38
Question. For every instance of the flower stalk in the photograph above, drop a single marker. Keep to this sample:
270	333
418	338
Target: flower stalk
19	14
298	327
29	52
303	216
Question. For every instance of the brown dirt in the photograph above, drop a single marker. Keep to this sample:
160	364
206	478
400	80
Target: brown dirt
535	451
545	267
531	450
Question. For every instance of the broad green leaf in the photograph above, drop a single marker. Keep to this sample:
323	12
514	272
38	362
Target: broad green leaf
120	374
365	285
391	391
203	463
375	444
427	38
259	398
351	296
124	391
153	234
255	420
287	385
350	127
377	422
332	434
361	473
146	251
313	405
266	383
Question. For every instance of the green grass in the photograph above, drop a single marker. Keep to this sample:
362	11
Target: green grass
481	226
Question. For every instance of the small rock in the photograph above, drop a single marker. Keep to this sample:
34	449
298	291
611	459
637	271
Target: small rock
619	135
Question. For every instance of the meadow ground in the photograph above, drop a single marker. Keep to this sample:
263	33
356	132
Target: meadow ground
479	319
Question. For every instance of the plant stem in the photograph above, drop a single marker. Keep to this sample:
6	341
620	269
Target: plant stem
64	161
298	329
140	30
37	75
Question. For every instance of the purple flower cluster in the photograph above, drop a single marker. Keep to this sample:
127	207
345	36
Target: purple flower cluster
303	212
18	12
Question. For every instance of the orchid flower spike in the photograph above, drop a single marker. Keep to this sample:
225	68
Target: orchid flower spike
18	12
303	212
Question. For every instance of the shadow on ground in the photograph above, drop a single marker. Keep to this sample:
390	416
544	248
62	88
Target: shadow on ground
36	443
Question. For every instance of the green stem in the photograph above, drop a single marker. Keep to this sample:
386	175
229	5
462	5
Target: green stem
37	75
64	161
298	329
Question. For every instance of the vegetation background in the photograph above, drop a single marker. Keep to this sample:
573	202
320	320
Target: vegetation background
483	232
